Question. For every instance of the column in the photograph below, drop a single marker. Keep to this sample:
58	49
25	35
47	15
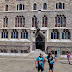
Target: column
30	37
0	33
70	30
60	34
19	34
9	34
47	35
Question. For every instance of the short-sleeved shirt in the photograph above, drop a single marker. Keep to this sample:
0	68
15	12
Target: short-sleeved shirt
68	56
50	60
40	61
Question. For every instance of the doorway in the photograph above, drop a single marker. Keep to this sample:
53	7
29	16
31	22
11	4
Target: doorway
40	42
55	53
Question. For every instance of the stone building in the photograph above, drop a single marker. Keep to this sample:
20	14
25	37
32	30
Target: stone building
26	25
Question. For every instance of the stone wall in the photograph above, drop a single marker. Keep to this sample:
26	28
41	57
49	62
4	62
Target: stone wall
28	13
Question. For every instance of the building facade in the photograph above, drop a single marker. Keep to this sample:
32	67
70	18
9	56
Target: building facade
26	25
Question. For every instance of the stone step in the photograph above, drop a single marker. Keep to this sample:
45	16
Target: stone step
36	53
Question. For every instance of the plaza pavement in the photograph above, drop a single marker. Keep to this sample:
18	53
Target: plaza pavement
21	64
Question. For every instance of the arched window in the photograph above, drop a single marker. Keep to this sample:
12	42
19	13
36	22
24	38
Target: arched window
44	21
17	7
65	34
24	34
14	34
3	50
4	34
19	21
34	21
56	5
44	6
55	34
23	6
60	5
6	8
63	5
60	21
34	6
5	24
20	7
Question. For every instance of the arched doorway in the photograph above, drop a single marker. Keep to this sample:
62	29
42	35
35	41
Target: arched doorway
40	42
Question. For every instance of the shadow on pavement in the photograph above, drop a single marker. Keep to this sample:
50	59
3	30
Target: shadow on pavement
65	63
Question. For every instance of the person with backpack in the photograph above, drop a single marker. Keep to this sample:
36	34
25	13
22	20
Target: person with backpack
51	61
40	62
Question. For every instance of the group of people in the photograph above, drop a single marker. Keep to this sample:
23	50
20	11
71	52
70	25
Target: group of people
40	61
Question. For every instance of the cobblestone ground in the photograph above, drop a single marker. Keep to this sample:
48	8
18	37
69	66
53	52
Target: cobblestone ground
23	65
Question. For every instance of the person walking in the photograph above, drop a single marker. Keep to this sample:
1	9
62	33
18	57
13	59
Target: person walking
40	62
51	61
68	57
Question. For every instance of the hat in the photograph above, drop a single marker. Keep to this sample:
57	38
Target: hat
41	53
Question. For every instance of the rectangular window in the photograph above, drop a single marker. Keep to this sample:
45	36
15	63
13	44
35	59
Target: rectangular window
51	35
63	53
18	21
57	35
2	34
7	35
56	5
68	35
24	35
21	35
17	7
54	35
23	7
62	35
11	34
20	6
16	34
